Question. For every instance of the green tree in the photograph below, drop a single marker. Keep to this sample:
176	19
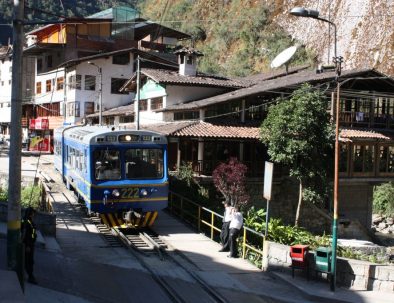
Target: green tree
299	135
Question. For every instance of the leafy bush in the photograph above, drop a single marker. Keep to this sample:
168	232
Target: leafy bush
3	194
383	199
185	173
31	196
284	234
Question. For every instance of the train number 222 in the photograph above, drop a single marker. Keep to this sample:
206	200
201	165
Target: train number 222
131	192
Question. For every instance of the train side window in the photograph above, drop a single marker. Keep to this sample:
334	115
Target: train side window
84	160
107	164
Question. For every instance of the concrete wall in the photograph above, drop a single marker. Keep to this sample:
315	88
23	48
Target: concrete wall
354	274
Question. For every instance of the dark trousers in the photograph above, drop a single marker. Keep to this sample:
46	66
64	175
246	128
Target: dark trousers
234	233
224	234
29	260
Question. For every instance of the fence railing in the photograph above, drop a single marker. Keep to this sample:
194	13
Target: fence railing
209	222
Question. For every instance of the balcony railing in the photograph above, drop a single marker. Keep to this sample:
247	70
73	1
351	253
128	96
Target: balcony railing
255	168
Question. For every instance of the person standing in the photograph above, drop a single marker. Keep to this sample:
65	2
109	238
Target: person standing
29	236
235	229
224	233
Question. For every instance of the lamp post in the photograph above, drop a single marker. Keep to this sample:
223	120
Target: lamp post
100	92
309	13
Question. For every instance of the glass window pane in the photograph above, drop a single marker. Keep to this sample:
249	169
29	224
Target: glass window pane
144	163
107	164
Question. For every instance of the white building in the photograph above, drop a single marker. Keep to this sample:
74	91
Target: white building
28	71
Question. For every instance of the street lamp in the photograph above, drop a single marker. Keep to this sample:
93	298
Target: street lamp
309	13
100	92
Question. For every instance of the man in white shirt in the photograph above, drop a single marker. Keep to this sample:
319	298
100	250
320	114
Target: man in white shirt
235	229
224	233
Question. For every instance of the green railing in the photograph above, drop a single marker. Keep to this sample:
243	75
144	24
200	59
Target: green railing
210	222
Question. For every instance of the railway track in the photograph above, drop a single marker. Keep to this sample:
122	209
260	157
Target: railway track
147	247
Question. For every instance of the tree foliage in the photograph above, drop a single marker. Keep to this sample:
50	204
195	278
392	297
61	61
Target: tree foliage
299	135
383	199
229	179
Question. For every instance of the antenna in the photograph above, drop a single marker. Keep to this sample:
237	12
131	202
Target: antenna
284	58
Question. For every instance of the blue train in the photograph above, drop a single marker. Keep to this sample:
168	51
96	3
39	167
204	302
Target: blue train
119	173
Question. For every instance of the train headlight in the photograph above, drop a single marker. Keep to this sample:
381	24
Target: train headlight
116	193
143	192
128	138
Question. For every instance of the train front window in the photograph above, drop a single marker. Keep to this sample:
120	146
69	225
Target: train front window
144	163
106	164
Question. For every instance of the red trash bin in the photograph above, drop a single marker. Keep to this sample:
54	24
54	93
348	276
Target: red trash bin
299	260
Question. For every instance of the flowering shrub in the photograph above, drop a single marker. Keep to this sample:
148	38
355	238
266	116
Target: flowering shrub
229	179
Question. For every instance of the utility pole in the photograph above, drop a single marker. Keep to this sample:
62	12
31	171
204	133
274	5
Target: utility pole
14	246
137	115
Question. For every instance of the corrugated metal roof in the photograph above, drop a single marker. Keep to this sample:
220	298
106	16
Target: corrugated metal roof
163	76
289	81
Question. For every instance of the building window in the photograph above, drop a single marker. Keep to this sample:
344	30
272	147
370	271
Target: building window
75	82
126	119
49	61
186	115
48	85
39	65
90	82
73	109
116	84
156	103
10	69
121	59
89	108
38	88
2	83
386	159
59	83
9	82
363	159
143	105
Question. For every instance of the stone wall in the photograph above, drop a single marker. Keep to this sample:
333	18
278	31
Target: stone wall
355	206
284	205
354	274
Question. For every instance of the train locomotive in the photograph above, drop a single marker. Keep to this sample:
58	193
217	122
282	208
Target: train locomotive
120	174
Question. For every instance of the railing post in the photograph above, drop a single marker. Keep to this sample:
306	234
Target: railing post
212	222
199	219
244	244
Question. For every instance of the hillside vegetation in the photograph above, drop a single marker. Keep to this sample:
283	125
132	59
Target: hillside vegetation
237	37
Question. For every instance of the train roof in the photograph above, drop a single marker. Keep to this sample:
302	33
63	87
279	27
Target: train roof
107	134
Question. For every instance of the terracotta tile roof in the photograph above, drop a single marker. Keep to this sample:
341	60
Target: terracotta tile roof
208	130
204	130
167	128
348	135
163	76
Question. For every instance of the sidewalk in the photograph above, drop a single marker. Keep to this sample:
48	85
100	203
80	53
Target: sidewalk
199	248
